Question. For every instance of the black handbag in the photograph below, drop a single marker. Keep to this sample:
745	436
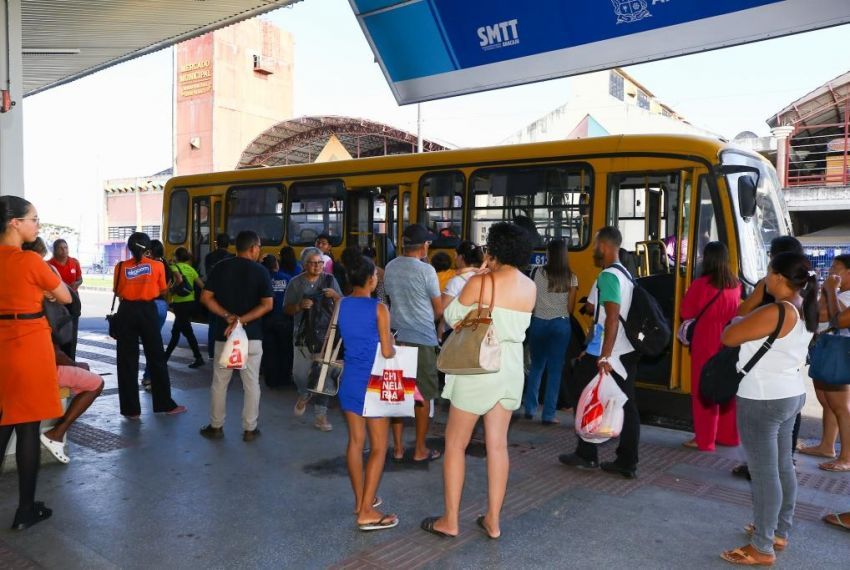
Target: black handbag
829	359
112	318
720	376
325	370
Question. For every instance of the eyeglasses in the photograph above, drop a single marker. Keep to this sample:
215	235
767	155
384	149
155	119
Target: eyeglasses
315	262
35	219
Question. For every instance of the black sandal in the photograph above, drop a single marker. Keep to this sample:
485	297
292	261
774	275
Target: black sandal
25	519
428	526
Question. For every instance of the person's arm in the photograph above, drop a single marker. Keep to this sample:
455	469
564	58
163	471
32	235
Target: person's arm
76	284
384	334
571	301
612	326
199	281
432	284
208	300
834	307
758	324
437	305
752	302
266	305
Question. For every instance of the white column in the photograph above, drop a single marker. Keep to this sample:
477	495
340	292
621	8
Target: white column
11	122
782	134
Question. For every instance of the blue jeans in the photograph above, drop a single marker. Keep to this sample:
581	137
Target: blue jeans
548	341
765	427
161	313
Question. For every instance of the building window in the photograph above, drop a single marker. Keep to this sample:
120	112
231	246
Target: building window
120	233
616	86
642	100
152	231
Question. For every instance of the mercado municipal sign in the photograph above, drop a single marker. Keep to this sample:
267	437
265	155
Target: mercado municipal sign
430	49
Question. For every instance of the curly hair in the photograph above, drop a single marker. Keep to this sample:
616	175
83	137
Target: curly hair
509	244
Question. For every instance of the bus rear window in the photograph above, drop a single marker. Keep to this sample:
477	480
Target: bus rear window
178	216
316	208
256	208
551	202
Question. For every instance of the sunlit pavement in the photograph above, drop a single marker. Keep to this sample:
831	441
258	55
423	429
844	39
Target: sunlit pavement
154	494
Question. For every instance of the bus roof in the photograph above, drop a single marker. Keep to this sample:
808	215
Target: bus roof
703	147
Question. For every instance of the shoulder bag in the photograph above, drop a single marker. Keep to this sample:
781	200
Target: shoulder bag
112	318
473	347
326	370
720	376
686	329
829	359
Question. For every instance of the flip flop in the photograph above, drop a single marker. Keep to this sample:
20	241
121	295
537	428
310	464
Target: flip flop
811	451
742	558
398	459
834	467
834	519
56	448
691	444
480	522
427	525
779	543
433	455
382	524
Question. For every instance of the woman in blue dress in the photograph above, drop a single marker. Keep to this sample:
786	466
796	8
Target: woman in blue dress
363	323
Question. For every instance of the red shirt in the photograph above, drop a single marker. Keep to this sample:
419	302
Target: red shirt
70	272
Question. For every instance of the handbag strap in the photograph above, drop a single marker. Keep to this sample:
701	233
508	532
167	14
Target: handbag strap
492	295
768	343
115	290
330	350
704	309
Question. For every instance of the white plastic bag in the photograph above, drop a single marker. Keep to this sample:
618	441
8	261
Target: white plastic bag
599	414
235	353
390	392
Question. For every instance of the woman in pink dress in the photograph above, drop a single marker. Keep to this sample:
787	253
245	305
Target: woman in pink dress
713	301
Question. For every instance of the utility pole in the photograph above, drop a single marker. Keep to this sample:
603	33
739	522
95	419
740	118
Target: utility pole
419	127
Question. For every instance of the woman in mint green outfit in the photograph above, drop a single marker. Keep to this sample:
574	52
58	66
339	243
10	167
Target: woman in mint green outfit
493	396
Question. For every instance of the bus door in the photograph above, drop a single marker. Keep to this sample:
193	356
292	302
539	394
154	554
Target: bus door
202	230
649	211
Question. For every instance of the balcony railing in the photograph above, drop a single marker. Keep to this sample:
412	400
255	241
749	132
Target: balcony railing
819	159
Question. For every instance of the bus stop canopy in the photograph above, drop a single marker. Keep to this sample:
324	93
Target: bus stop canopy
66	40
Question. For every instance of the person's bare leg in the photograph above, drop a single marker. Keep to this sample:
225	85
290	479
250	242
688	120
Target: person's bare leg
839	404
422	420
398	437
79	404
354	456
377	428
458	433
829	433
496	423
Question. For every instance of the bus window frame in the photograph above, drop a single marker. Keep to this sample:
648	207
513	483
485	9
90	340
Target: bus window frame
423	211
293	187
226	208
577	165
185	230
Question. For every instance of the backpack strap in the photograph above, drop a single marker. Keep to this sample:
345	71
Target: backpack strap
767	344
619	267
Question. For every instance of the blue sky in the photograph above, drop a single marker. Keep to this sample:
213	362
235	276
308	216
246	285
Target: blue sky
117	123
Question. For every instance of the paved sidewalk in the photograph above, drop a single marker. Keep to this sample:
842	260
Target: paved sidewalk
154	494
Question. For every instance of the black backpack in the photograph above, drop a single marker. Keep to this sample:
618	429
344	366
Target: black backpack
646	326
316	322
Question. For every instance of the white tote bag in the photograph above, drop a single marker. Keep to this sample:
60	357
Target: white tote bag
390	392
235	353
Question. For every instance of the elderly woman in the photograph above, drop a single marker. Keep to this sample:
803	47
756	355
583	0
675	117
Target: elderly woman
493	396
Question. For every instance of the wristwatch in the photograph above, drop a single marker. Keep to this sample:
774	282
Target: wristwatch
226	315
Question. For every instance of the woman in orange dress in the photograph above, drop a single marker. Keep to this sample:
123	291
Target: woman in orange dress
29	391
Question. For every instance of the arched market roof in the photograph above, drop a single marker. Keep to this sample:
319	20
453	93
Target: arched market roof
301	140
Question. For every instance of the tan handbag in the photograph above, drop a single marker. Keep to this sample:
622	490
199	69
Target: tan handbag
473	347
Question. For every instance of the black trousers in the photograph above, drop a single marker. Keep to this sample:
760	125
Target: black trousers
138	320
70	349
627	452
277	350
183	325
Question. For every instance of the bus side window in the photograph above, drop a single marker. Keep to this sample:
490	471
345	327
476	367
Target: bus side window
706	225
256	208
442	206
315	208
178	217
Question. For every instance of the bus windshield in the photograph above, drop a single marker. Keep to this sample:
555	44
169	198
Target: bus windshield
771	219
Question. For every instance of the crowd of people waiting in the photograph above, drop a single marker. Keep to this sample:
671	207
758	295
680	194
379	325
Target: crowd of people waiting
286	308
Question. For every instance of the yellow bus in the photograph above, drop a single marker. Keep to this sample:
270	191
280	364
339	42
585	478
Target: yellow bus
669	195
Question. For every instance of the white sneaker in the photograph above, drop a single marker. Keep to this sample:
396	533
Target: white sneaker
57	448
301	404
323	424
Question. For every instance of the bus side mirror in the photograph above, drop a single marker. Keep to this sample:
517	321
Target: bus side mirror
747	190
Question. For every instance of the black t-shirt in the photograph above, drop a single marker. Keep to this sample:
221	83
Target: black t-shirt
213	258
238	284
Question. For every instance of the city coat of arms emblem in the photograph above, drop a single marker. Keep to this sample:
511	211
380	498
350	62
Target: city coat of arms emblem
630	11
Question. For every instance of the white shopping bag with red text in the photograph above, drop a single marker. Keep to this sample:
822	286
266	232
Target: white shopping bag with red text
390	392
599	413
235	352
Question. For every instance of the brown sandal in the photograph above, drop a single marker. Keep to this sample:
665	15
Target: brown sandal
835	519
748	556
779	543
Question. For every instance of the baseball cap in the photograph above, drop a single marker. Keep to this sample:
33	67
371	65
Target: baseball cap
416	234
